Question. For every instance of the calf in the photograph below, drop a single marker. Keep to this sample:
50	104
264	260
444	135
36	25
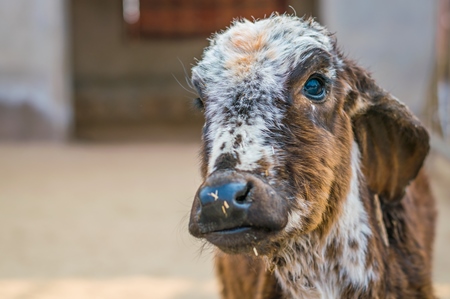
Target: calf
313	182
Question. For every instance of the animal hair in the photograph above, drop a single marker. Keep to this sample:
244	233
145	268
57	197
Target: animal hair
344	166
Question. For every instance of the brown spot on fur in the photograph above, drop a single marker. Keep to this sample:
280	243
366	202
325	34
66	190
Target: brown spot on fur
263	165
334	250
259	283
237	141
247	43
353	244
226	161
351	101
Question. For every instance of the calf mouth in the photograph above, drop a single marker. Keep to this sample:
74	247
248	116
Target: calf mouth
238	213
242	240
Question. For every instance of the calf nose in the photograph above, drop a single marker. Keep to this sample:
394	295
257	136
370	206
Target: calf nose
232	193
224	206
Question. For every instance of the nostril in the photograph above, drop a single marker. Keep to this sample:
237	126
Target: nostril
242	196
224	204
233	193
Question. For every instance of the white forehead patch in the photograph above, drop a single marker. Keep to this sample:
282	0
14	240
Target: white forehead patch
268	49
243	71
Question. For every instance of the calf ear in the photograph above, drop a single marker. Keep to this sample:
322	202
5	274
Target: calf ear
392	141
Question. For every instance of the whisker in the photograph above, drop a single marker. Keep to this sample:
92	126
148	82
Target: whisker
182	86
186	76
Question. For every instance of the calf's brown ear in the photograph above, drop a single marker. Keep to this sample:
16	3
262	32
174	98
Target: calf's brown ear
392	141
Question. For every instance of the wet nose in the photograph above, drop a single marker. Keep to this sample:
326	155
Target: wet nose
234	194
231	202
224	206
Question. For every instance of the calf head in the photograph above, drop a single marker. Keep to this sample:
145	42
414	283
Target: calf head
283	109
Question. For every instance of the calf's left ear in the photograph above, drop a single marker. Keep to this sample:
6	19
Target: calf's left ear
392	141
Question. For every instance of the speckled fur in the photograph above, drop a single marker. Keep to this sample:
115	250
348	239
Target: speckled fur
327	160
245	70
313	274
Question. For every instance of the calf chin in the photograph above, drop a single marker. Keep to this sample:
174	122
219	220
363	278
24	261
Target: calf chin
238	212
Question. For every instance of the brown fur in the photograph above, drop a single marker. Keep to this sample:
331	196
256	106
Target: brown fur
314	168
405	266
257	283
406	263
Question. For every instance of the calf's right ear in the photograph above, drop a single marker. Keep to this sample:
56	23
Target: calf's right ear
392	141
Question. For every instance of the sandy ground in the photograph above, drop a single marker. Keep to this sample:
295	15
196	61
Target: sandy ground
110	221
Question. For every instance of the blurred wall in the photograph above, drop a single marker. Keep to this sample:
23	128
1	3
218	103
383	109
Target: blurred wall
35	96
126	87
124	82
393	39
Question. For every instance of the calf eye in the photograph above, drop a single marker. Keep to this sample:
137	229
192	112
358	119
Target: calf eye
314	89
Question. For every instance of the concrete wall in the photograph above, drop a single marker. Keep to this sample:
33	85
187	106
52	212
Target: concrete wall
34	76
393	39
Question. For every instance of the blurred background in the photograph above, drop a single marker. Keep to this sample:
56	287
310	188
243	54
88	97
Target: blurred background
99	143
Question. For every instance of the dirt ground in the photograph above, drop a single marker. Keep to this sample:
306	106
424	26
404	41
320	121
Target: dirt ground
110	221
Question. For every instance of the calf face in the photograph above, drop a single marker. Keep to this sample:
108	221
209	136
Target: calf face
282	111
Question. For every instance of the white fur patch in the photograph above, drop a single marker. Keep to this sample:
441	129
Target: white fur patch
242	73
299	279
249	151
353	224
295	220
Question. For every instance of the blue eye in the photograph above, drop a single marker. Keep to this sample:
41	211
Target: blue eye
314	89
